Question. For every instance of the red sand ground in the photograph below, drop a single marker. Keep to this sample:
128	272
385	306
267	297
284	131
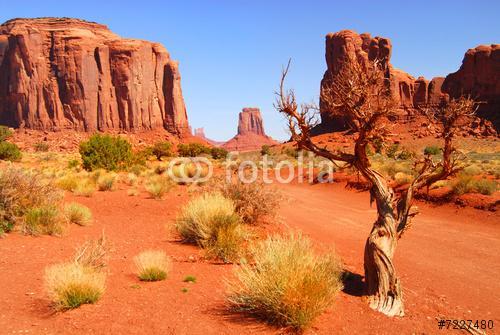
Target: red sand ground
449	264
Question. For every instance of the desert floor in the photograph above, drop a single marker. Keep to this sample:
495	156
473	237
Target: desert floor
449	264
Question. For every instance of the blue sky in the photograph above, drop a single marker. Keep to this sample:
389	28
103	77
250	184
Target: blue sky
231	52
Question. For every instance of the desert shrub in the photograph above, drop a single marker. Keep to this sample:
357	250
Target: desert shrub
106	181
183	173
70	285
211	222
41	147
432	150
9	151
265	150
106	152
20	191
192	149
472	170
68	182
74	163
43	220
85	188
5	133
78	214
226	238
402	178
162	149
287	284
152	265
291	152
378	145
92	254
392	151
132	179
253	201
158	186
189	279
463	184
405	154
485	186
218	153
136	169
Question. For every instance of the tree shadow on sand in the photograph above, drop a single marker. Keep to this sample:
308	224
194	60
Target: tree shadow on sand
353	284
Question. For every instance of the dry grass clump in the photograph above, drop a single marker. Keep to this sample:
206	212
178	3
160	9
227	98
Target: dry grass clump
70	285
81	281
78	214
85	188
211	222
92	254
158	186
106	181
43	220
68	182
20	191
287	284
253	201
184	173
152	265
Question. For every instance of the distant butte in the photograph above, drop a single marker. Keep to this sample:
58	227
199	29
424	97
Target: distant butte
251	134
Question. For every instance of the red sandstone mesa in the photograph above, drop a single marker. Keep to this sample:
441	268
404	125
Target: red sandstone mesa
61	73
251	135
478	76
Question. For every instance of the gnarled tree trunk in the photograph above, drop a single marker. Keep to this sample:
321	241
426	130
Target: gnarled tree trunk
382	283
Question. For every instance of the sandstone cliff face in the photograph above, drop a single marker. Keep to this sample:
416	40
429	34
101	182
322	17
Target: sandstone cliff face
479	77
347	46
59	73
251	135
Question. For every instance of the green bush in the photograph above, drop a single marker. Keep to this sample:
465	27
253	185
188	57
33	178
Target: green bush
106	152
162	149
265	150
218	153
41	147
432	150
5	133
192	149
9	151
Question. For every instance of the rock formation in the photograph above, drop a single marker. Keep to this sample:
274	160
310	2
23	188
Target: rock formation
347	46
200	133
479	77
61	73
251	135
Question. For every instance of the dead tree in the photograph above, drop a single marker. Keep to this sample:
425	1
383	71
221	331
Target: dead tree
361	95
